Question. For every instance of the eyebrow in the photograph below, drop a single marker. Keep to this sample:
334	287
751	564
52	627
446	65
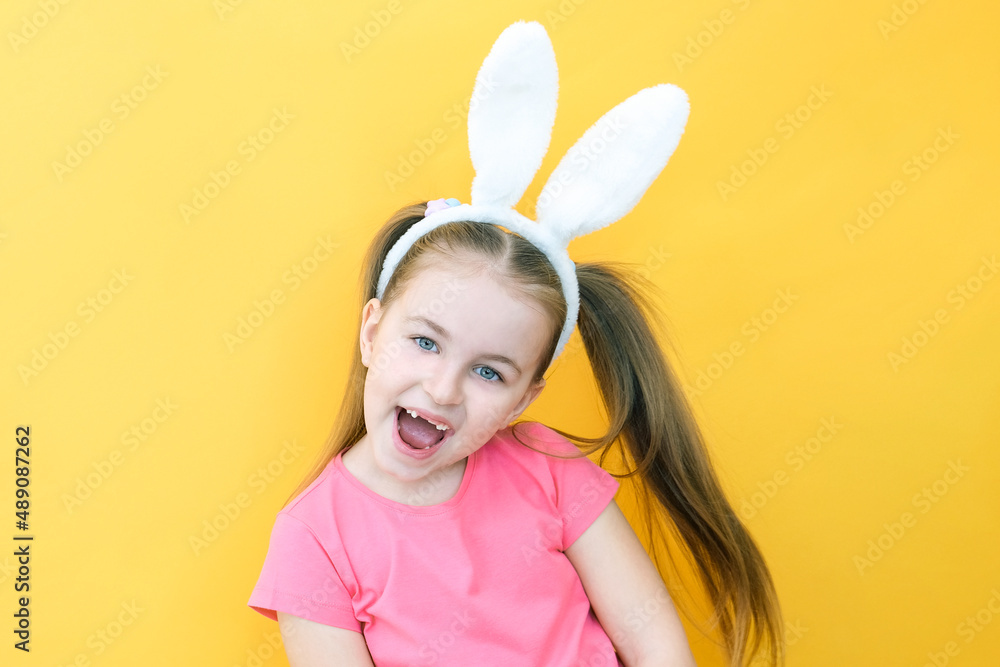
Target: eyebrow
440	331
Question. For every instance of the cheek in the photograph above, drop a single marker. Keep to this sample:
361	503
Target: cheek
389	350
490	412
389	360
372	390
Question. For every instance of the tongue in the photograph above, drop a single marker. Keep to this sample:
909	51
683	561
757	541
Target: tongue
417	432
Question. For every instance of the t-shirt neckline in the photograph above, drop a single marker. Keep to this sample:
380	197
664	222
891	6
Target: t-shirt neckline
438	508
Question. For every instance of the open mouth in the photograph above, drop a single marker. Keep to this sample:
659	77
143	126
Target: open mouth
418	433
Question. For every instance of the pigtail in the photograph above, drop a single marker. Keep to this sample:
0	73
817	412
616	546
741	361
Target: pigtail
349	425
651	420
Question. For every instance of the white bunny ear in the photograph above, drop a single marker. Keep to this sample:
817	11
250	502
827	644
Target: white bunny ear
606	172
511	113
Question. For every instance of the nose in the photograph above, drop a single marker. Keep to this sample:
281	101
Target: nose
444	384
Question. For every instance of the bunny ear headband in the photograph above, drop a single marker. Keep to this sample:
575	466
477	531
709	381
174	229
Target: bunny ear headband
599	180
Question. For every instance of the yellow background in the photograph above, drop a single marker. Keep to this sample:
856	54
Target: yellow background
124	553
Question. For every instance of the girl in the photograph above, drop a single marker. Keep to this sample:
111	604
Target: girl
434	528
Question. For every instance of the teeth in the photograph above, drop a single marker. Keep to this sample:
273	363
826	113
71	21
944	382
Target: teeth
440	427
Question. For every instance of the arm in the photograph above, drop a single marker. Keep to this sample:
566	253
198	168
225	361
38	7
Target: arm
311	644
628	594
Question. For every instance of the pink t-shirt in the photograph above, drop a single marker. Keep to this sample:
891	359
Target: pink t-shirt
480	579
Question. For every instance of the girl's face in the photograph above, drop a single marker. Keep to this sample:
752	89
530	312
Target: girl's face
458	350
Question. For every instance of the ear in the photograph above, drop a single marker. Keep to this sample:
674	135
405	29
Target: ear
370	316
529	397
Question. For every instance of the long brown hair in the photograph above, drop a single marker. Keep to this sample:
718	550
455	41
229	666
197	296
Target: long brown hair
650	419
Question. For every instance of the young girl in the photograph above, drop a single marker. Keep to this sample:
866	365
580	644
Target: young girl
435	528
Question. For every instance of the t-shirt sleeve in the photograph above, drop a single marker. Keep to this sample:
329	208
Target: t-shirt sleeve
299	578
583	489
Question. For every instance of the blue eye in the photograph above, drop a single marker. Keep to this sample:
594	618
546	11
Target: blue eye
495	375
421	338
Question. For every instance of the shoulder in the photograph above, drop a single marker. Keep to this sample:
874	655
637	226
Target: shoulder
310	523
538	436
315	495
576	488
544	453
520	448
315	508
